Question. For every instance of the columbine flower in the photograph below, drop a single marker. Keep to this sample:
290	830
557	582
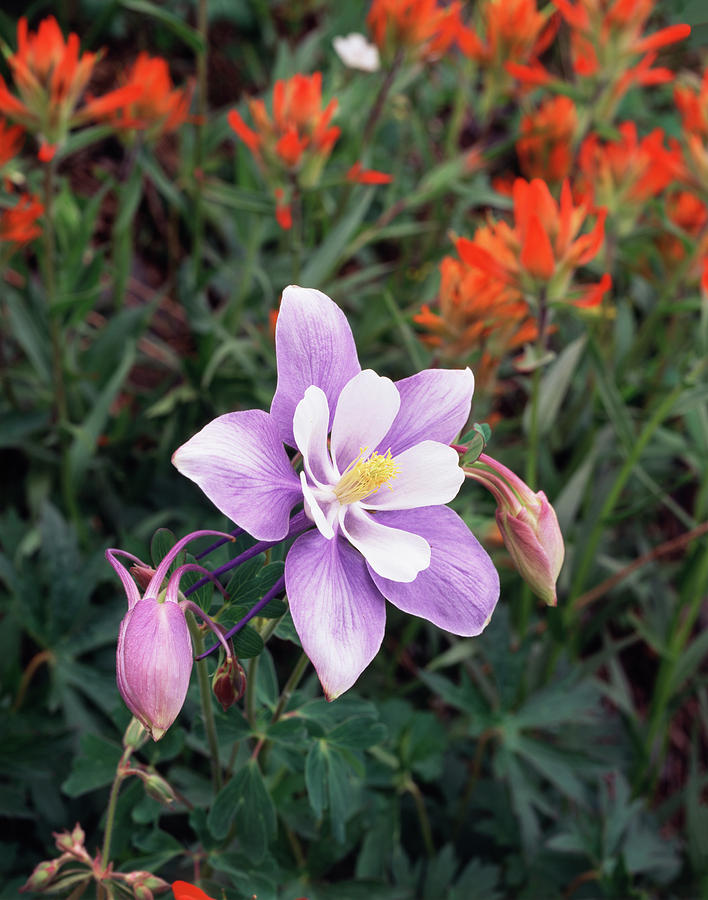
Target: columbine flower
374	491
50	77
154	656
528	525
357	53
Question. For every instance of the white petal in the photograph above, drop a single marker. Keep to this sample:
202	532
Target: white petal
314	511
392	553
310	426
429	475
365	411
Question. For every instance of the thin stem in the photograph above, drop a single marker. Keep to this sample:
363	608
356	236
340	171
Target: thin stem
205	699
425	828
251	614
290	685
112	801
378	106
251	691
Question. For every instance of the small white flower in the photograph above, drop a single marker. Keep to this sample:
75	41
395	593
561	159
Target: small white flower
357	53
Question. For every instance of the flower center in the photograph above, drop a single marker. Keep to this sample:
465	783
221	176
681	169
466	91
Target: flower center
365	476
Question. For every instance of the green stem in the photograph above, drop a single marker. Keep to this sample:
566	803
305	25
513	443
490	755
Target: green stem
461	102
205	699
251	691
112	801
425	828
380	100
290	685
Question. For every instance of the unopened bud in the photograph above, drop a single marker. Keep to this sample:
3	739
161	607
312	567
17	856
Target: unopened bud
42	875
142	574
135	734
229	682
528	525
159	789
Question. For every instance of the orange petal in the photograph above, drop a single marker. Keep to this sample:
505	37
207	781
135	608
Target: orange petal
537	253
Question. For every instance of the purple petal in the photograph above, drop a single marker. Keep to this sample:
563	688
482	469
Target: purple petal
131	591
310	427
338	613
435	405
239	461
391	552
429	474
460	588
313	345
154	663
365	411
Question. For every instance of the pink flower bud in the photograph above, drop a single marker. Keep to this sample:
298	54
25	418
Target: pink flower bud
528	525
229	682
154	663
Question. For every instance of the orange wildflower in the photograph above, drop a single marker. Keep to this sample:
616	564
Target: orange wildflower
690	215
157	108
539	254
183	890
50	76
608	44
299	131
477	315
420	27
692	102
367	176
545	148
623	175
11	140
513	36
18	224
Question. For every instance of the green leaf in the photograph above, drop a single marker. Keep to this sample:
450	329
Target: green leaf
324	259
245	801
357	733
248	643
190	37
94	767
162	542
554	386
87	434
316	776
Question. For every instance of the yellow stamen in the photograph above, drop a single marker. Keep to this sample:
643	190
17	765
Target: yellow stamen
365	476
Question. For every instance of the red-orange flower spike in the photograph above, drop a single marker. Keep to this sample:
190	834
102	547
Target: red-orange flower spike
623	175
477	316
50	76
692	102
545	148
18	224
158	108
608	45
183	890
299	130
367	176
419	27
11	140
512	35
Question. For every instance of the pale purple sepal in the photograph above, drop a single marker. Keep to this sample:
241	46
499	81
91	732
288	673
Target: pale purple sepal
313	345
338	613
460	588
239	461
154	663
435	405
